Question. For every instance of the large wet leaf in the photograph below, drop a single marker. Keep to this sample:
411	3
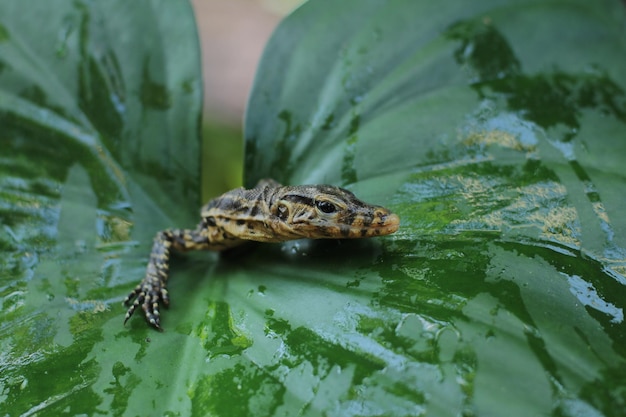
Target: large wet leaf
495	130
99	112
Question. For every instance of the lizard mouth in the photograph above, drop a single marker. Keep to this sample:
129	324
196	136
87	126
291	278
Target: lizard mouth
388	225
384	224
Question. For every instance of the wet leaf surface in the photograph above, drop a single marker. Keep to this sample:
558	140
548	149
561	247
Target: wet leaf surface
495	131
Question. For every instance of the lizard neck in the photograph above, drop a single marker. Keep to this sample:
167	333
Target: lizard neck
241	215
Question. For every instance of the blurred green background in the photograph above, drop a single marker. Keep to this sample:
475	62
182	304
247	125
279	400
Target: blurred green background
232	36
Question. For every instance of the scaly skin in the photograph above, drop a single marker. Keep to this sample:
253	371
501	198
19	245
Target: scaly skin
268	212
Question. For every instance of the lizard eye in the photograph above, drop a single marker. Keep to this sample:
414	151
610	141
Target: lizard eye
326	207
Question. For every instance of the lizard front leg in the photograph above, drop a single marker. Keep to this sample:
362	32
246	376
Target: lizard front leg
152	290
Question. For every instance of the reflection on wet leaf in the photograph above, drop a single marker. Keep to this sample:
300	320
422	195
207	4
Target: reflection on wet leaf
545	99
248	390
221	336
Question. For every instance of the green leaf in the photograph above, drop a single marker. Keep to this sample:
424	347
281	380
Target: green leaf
100	109
495	130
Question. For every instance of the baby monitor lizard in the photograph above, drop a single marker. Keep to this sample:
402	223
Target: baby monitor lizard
269	212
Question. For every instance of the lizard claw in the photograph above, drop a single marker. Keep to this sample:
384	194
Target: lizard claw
148	294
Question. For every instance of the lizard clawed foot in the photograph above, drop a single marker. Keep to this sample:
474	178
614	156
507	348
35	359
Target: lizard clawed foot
148	294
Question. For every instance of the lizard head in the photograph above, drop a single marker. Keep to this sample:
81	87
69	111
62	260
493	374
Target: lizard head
327	212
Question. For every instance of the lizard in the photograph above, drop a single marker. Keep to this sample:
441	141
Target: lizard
269	212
